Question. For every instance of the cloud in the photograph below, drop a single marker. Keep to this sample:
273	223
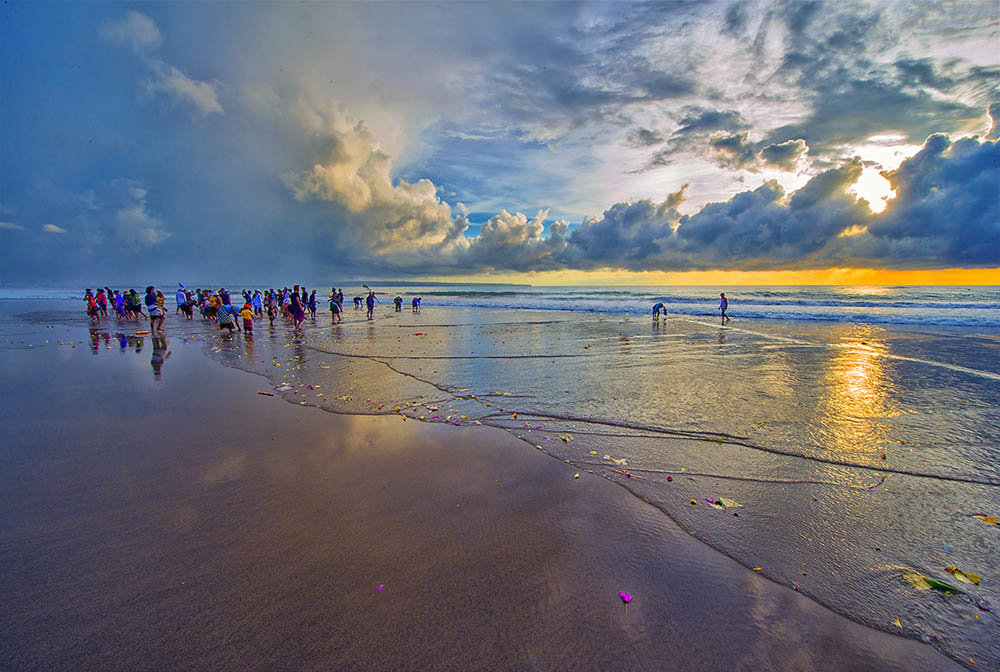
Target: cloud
353	173
405	226
140	33
726	128
537	109
262	99
134	30
130	221
698	119
994	112
514	242
784	155
736	151
946	212
852	73
115	212
10	226
644	137
735	19
732	150
626	234
178	87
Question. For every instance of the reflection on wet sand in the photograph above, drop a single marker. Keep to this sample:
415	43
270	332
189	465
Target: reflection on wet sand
858	396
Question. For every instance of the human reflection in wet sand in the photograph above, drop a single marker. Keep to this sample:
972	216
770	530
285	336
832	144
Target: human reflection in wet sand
248	344
160	355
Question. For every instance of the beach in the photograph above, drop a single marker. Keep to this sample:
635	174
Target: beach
179	519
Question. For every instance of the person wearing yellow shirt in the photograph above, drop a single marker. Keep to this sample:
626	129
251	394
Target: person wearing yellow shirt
247	315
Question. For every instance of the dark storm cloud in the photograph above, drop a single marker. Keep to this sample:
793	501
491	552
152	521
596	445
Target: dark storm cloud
627	234
923	72
698	119
784	155
696	125
856	110
946	214
732	150
735	19
736	151
644	137
798	15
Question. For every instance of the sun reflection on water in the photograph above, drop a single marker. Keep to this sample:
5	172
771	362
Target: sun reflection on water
859	395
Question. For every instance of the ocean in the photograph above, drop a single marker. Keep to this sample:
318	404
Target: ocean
842	441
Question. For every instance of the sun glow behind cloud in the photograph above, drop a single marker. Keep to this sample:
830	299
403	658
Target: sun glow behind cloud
874	188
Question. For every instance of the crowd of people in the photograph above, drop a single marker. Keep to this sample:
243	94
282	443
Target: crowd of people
293	305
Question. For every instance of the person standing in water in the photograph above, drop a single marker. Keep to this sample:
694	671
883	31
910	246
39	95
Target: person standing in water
335	315
723	307
399	303
657	308
156	314
296	309
370	303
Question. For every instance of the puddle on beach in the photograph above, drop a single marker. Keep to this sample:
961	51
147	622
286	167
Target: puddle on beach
837	459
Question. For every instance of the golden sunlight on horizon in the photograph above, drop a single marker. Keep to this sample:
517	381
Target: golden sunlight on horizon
720	278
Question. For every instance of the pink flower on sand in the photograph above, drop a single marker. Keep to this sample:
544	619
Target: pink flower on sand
626	598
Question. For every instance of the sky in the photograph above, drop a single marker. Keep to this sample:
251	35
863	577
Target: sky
546	143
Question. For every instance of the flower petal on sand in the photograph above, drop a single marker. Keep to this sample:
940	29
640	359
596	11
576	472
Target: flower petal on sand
964	577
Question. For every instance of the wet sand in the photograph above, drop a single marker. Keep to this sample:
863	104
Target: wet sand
190	523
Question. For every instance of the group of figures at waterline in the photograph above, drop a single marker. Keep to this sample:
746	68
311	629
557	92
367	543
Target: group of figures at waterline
216	305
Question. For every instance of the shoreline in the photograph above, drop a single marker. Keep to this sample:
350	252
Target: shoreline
249	534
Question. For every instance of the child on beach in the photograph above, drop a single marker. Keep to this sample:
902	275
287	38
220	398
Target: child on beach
247	315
